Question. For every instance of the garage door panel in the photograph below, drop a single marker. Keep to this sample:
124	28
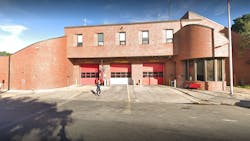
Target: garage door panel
120	74
88	81
120	68
152	81
152	74
89	74
152	67
90	68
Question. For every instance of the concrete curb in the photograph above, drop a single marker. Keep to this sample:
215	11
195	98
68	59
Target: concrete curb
202	101
188	96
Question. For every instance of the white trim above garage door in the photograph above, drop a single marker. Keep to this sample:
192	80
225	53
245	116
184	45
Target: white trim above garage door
120	81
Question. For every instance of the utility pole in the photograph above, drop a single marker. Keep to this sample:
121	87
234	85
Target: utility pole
230	49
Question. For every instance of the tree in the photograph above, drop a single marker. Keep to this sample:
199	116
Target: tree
242	26
4	53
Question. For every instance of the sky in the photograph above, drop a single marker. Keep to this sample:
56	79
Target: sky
24	22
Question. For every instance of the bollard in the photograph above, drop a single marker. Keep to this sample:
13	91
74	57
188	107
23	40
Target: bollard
175	83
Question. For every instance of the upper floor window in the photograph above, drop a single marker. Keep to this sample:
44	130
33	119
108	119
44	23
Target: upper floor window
122	38
169	35
79	40
145	37
100	39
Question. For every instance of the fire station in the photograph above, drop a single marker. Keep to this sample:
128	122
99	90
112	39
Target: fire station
191	49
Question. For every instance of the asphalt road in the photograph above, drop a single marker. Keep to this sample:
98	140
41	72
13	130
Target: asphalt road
82	116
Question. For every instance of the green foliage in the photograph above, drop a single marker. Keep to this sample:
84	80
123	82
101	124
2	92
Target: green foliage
4	53
244	86
242	26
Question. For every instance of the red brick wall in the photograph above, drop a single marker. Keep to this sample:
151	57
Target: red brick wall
76	74
194	18
194	41
241	62
111	48
137	73
215	86
4	65
180	73
169	72
42	65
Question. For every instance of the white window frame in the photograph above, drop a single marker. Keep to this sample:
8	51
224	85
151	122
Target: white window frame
122	38
79	38
169	35
100	43
145	37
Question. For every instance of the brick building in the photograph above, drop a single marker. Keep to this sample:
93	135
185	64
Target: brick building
192	49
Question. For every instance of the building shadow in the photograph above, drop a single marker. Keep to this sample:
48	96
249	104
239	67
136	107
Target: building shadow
243	103
32	120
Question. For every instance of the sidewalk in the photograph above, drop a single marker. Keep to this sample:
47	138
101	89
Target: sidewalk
14	93
241	96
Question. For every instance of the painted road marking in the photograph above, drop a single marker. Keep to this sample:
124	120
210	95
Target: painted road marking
193	117
230	120
128	106
129	99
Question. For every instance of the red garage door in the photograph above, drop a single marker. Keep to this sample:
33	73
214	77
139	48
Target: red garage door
152	74
89	73
120	73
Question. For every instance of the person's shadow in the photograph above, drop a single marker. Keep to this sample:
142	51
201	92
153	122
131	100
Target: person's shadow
94	92
62	133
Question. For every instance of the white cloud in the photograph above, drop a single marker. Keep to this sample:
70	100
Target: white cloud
150	15
220	10
13	29
109	21
12	42
86	21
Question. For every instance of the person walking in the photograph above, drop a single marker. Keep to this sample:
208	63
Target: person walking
98	87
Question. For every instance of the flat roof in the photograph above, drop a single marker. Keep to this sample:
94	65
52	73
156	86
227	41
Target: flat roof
132	23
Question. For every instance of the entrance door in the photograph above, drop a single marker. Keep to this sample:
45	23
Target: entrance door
120	73
152	74
89	74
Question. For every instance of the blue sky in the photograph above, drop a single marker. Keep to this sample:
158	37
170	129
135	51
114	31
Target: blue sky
23	22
